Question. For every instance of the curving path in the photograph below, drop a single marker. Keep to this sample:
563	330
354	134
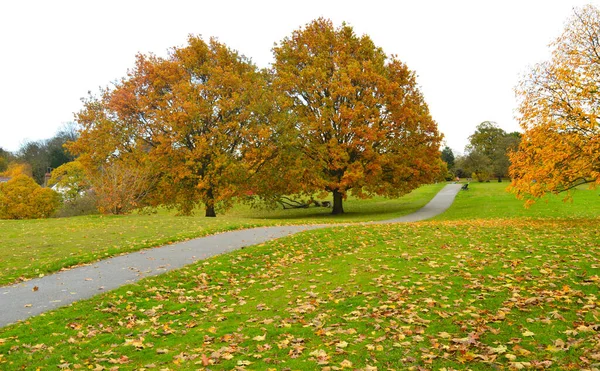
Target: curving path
20	301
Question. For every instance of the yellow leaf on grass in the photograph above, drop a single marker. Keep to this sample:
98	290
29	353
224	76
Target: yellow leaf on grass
499	350
346	364
260	337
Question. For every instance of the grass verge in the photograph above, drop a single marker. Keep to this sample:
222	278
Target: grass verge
477	295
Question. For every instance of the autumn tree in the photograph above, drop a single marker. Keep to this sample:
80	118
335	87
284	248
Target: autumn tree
70	180
361	122
17	168
197	116
121	188
559	111
78	192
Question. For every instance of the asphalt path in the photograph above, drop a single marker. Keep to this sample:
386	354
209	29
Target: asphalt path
26	299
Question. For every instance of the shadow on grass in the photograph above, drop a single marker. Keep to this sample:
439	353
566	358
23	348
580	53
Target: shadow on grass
352	212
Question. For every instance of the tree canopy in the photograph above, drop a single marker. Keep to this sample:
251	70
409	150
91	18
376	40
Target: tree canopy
193	121
559	111
488	150
448	157
205	126
361	122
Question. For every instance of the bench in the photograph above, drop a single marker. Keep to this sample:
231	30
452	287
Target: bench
465	187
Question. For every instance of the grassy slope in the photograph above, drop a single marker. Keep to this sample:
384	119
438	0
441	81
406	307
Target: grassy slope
491	201
511	293
457	294
33	247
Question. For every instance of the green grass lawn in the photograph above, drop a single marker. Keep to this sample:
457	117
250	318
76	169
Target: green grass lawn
490	285
451	295
491	201
29	248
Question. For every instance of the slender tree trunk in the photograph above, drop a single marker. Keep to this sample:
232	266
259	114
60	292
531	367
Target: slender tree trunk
337	203
210	205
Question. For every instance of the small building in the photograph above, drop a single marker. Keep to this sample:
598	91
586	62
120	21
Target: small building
4	179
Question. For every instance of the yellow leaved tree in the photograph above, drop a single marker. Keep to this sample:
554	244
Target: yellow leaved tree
559	111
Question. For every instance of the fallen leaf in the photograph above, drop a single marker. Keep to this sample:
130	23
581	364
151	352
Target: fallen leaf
346	364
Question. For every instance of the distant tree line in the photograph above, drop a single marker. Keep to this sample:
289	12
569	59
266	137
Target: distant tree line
37	158
486	156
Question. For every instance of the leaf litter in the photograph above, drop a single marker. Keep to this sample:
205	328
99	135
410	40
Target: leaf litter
505	294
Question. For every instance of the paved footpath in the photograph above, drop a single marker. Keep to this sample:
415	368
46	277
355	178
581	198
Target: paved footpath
20	301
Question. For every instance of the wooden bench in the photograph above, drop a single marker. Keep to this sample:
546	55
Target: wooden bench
465	187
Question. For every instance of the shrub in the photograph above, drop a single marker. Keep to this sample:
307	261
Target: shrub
22	198
84	204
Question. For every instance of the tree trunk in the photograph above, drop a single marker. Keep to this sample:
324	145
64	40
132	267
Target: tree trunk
337	203
210	204
210	211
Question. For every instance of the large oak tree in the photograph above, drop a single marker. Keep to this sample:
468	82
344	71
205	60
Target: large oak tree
362	124
195	120
559	112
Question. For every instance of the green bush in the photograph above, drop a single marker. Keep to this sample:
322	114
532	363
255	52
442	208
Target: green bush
84	204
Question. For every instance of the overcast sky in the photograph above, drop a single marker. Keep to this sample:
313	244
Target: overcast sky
468	55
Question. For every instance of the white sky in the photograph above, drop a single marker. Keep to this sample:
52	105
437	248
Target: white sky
468	55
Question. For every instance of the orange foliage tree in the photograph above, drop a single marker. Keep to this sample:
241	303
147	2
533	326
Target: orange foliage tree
22	198
195	119
361	122
120	187
559	111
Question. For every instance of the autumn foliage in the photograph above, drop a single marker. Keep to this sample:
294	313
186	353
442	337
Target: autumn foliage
559	111
70	179
120	188
22	198
361	122
190	121
17	168
204	126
